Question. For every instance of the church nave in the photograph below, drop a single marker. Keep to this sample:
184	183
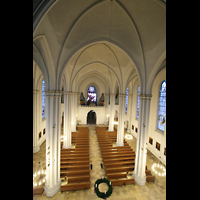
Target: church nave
151	191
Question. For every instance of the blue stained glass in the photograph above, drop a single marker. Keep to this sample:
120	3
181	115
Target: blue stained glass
162	107
126	100
43	99
92	94
138	103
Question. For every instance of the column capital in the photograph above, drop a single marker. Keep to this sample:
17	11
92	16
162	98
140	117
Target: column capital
145	96
35	91
122	95
69	93
53	93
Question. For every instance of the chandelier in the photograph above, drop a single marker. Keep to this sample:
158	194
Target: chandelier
159	169
39	177
128	136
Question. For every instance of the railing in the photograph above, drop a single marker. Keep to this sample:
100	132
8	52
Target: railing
91	106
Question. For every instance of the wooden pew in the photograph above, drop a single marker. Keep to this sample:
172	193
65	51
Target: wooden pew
122	181
114	149
74	166
117	164
78	179
119	161
38	190
75	186
76	149
107	148
150	178
148	172
80	162
63	154
81	157
120	158
117	156
75	162
121	169
71	172
118	152
117	175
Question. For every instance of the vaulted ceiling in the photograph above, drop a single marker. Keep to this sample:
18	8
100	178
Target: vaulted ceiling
114	40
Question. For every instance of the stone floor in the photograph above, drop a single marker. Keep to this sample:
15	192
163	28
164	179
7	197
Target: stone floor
150	191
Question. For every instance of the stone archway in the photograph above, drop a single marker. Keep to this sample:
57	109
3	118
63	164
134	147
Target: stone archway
91	117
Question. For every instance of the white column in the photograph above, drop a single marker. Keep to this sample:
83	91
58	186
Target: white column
142	140
129	112
53	123
36	147
120	130
67	119
106	104
112	104
74	109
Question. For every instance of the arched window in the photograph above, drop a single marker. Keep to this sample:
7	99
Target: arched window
138	102
92	95
43	99
162	107
126	100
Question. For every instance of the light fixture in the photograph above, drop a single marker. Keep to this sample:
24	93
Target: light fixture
159	169
39	177
128	136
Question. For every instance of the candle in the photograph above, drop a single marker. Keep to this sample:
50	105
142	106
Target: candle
105	191
110	183
96	185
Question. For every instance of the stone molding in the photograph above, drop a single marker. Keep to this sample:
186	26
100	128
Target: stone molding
53	93
145	96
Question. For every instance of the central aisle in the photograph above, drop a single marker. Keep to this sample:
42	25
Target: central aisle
95	156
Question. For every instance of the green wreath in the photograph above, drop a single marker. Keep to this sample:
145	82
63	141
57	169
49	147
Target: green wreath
103	195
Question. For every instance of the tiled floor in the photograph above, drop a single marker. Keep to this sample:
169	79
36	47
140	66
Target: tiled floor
150	191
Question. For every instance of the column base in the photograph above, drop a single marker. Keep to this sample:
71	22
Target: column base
110	130
51	191
36	149
67	147
139	180
119	145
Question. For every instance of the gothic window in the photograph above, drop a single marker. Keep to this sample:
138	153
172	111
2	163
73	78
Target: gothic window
43	99
126	100
162	107
138	102
92	94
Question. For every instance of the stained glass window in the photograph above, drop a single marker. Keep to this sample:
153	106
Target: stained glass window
126	100
43	99
162	107
92	94
138	102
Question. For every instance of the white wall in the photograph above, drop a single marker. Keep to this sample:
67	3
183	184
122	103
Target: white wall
134	120
100	114
157	135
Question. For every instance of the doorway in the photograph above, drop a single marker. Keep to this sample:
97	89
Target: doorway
91	117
